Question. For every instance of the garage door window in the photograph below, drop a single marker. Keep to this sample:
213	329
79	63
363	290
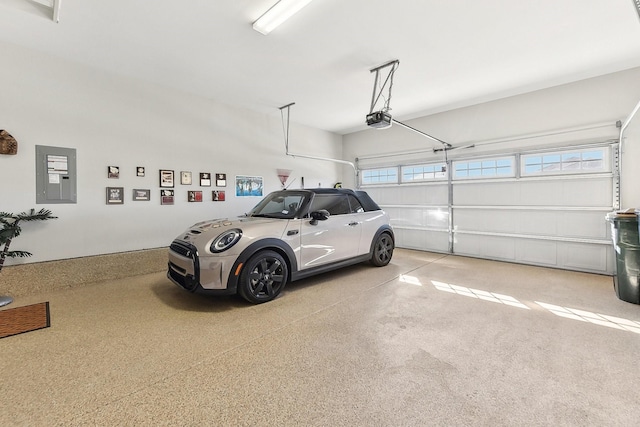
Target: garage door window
566	162
380	176
428	172
484	168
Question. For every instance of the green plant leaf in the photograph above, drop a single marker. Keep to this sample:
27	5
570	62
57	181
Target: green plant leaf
18	254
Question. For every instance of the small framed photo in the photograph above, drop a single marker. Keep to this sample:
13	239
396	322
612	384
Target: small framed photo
113	172
139	194
205	179
218	196
185	178
195	196
166	197
221	180
140	171
115	195
166	178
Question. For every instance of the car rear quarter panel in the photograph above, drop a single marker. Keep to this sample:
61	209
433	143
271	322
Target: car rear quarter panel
371	224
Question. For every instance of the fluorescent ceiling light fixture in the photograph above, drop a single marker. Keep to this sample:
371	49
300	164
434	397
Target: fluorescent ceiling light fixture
278	13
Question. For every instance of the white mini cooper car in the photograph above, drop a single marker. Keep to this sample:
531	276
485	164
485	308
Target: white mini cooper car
289	235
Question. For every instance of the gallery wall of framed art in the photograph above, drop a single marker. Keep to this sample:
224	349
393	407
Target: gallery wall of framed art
167	185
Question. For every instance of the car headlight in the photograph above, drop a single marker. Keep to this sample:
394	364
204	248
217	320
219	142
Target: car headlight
226	240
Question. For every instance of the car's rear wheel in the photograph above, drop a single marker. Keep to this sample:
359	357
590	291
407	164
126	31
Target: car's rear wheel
263	277
382	250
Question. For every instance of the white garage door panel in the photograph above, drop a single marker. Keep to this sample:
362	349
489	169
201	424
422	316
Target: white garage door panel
588	192
422	240
542	223
583	257
566	192
423	194
540	193
572	224
410	195
419	214
485	193
492	247
484	220
409	216
539	252
587	225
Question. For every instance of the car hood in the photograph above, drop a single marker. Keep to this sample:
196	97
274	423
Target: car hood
224	223
202	232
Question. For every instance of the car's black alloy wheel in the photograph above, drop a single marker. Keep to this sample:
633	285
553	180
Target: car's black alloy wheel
263	277
382	250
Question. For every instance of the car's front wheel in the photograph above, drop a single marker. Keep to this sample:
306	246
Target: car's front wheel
263	277
382	250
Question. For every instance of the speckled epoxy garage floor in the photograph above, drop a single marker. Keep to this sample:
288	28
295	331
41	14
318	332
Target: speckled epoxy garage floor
429	340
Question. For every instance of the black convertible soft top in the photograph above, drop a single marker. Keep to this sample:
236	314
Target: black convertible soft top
365	200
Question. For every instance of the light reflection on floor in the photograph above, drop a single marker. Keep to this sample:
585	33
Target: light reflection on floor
597	319
476	293
570	313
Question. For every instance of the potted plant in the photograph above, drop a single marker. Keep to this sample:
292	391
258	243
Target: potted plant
10	230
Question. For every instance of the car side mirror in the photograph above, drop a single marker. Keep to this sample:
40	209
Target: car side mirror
321	215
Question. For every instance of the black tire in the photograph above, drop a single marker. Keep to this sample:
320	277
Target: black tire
382	250
263	277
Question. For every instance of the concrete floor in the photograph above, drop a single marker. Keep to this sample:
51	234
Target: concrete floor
428	340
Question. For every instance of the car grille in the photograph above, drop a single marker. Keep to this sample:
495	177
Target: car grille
178	274
184	249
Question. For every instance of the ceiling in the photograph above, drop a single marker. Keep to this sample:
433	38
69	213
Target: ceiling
452	53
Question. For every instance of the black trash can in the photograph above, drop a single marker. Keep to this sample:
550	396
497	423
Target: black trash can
624	232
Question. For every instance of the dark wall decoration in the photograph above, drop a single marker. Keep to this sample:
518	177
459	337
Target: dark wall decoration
8	144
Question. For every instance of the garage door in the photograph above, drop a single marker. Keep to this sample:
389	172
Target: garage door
543	207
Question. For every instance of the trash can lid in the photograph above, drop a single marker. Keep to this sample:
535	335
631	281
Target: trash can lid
623	215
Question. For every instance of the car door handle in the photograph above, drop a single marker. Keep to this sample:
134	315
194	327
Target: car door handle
353	224
292	232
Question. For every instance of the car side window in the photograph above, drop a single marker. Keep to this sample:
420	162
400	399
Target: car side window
335	204
356	207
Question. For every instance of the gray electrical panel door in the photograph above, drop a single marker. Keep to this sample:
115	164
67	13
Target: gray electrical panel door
55	175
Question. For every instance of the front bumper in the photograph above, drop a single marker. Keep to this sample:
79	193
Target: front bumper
198	274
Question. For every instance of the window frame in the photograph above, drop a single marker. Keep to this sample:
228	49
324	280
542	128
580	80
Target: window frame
433	175
479	168
364	172
564	166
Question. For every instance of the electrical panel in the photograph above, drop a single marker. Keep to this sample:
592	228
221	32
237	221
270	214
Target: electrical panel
56	175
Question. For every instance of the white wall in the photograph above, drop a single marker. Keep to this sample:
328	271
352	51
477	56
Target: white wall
112	120
604	99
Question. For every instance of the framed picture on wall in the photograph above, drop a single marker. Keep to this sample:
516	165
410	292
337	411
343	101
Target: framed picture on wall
218	196
194	196
140	195
140	171
166	197
113	172
248	186
185	178
115	195
166	178
205	179
221	180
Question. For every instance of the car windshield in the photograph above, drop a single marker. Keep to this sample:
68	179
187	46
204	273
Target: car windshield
281	204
